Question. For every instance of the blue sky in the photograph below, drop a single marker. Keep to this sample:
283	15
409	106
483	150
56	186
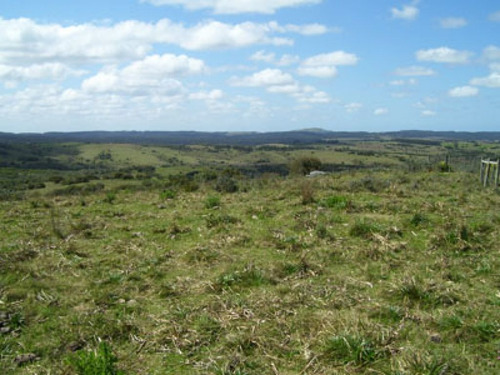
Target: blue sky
249	65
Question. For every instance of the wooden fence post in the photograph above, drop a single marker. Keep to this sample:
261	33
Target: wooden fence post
497	174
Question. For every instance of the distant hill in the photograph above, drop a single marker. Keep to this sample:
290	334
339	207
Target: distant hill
305	136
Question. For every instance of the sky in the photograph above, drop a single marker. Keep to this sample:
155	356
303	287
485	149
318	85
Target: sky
249	65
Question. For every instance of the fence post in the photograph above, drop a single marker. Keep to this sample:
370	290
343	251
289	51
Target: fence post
481	173
487	173
497	174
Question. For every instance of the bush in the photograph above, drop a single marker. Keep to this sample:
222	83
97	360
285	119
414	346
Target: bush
307	192
226	184
304	165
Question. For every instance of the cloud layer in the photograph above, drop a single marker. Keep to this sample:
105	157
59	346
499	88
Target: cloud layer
235	6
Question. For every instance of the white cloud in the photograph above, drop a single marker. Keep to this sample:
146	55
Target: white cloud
495	17
154	75
25	42
493	80
403	82
265	78
314	97
353	107
492	53
12	75
406	12
235	6
325	65
414	71
495	67
336	58
271	58
210	95
444	55
428	113
463	92
381	111
453	22
263	56
278	82
318	71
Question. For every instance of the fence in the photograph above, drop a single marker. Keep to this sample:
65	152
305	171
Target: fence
489	168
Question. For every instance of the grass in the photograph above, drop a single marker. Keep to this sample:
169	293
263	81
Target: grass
376	273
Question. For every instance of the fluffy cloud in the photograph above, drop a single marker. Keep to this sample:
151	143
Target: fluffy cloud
414	71
271	58
154	75
428	113
403	82
266	78
12	75
381	111
444	55
278	82
492	53
25	42
493	80
235	6
353	107
463	92
325	65
453	22
495	17
406	12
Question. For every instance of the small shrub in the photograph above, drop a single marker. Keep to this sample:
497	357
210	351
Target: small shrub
307	192
98	362
443	166
304	165
226	184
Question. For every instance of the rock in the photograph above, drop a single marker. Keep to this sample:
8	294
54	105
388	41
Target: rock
436	338
25	358
316	174
75	346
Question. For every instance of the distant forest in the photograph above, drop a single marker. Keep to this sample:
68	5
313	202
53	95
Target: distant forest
300	137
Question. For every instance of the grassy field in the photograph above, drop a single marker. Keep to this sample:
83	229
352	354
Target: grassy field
376	271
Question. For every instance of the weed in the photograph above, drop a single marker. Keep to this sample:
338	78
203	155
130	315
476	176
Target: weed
418	219
212	202
346	348
307	192
110	197
365	228
336	202
98	362
167	194
249	277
